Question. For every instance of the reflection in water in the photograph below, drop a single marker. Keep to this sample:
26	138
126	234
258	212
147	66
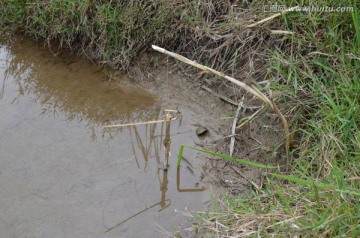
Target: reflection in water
74	88
154	144
164	203
186	190
169	116
53	173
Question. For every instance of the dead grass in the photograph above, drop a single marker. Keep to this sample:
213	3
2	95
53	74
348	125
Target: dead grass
213	32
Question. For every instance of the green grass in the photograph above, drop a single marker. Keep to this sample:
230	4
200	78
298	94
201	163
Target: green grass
110	32
320	89
313	183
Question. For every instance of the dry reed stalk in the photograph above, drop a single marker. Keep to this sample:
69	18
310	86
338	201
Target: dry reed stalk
285	126
273	16
232	139
167	140
136	123
169	116
281	32
320	53
133	124
251	89
246	87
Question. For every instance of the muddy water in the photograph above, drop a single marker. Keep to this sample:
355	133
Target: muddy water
62	174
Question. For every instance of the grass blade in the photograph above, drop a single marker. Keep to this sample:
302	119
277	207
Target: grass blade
242	161
312	183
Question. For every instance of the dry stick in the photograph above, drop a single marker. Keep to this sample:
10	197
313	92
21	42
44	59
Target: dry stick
137	123
134	124
144	123
232	140
246	87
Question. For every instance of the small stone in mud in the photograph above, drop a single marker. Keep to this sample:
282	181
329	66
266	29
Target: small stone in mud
200	131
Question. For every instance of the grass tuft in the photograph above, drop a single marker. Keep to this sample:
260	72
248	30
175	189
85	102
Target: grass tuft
116	32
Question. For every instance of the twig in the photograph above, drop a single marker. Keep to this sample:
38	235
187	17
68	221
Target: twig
232	140
219	96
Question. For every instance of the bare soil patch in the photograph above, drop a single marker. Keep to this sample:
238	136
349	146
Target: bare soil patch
260	140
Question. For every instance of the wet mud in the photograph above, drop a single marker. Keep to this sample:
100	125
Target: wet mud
260	140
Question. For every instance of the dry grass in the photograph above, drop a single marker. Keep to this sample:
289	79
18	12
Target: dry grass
214	32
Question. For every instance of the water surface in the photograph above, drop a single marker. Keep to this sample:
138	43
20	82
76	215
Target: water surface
62	174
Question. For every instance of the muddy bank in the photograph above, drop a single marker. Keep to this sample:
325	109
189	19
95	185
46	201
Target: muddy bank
260	140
